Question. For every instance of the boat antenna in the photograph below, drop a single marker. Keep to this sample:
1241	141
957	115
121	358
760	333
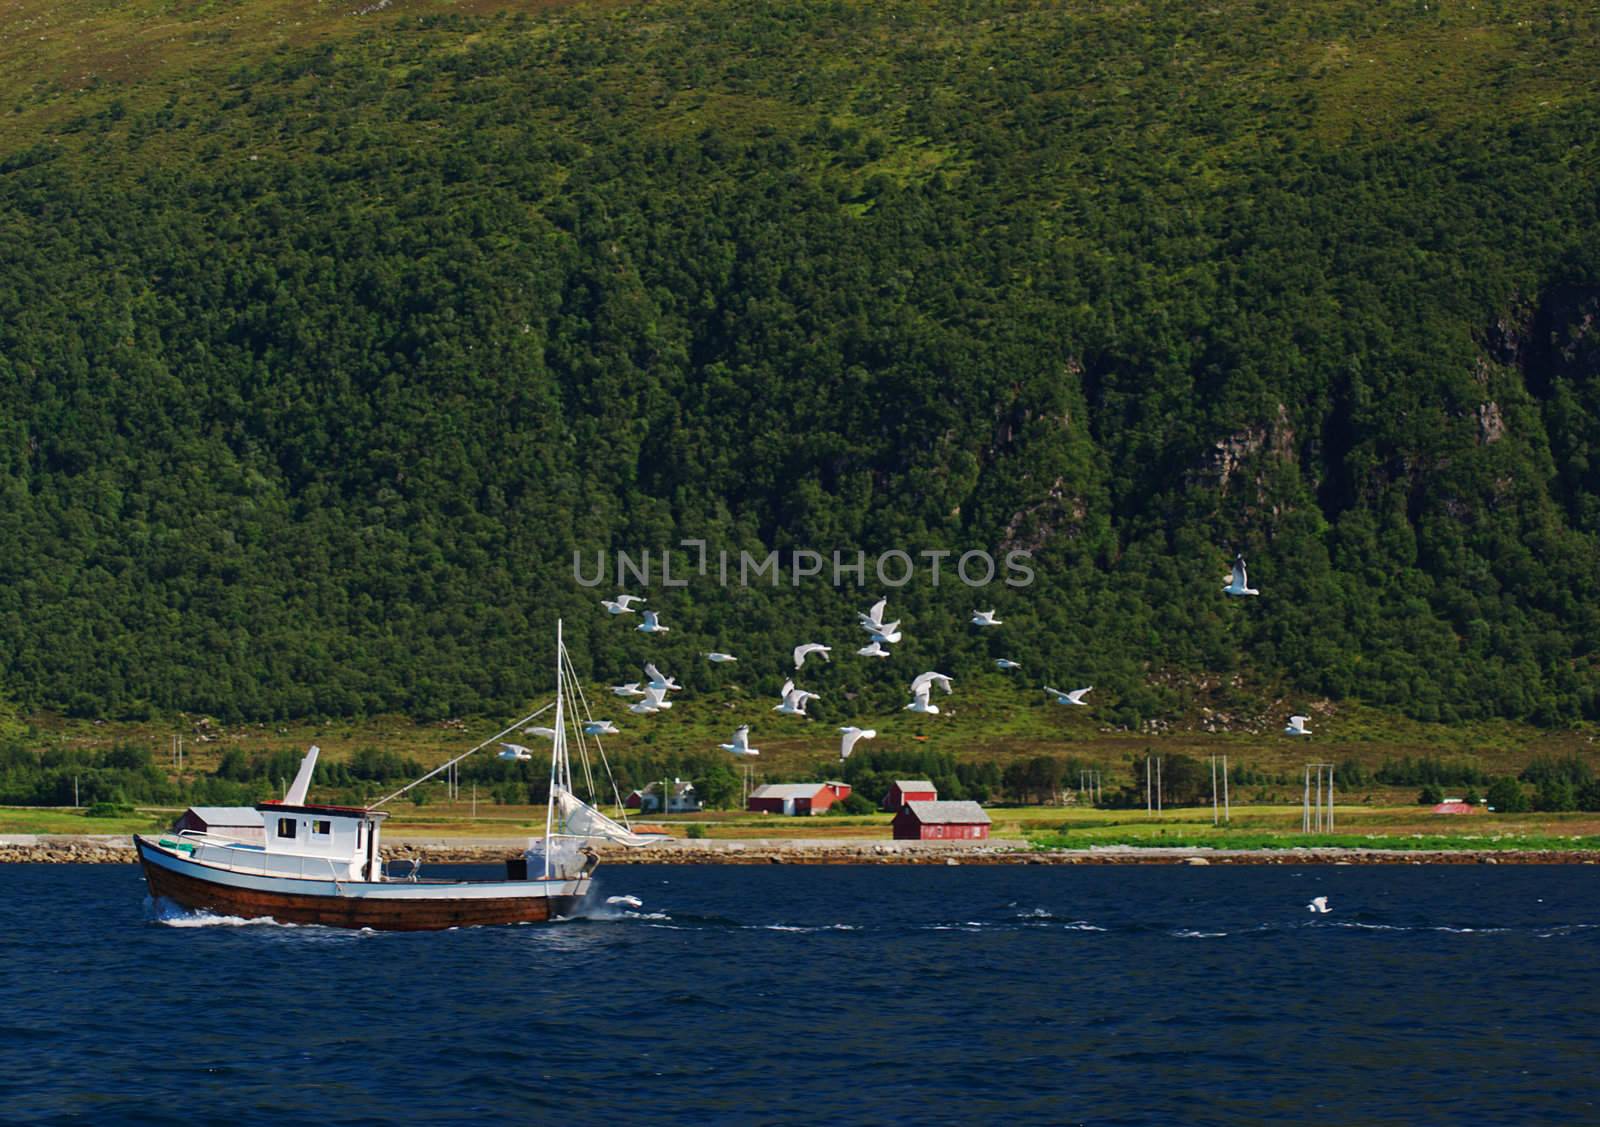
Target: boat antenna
452	762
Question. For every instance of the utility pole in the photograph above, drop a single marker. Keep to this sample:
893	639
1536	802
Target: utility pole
1214	811
1158	784
1316	820
75	802
1227	812
1149	806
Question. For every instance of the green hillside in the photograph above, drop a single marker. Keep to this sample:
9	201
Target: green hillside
329	336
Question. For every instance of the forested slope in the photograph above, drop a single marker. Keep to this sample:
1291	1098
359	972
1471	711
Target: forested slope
320	359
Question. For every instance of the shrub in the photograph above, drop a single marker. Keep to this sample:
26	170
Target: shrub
1507	797
108	810
697	831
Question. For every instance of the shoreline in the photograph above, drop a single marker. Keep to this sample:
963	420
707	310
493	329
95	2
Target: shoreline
118	849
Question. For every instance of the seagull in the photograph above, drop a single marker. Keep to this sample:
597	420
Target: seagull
887	632
741	742
919	702
851	735
984	618
601	728
625	901
927	679
1237	583
794	700
873	649
873	619
1074	697
801	652
655	700
515	751
547	733
657	681
651	624
1006	663
1297	726
631	689
622	604
719	658
1319	904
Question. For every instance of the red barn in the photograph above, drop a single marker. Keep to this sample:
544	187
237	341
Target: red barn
796	798
941	821
902	791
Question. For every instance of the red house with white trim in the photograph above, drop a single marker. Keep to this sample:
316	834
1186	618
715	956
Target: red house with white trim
902	791
796	798
941	821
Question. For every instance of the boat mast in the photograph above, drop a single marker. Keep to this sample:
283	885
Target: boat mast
556	747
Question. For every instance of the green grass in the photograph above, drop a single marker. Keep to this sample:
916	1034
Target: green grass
1231	839
65	820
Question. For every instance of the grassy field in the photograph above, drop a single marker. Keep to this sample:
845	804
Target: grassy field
988	717
1070	827
62	820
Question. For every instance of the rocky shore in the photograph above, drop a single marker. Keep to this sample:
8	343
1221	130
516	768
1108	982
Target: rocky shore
106	849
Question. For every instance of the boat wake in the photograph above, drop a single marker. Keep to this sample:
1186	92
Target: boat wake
170	915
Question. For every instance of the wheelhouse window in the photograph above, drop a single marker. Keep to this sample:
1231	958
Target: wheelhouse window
286	827
321	827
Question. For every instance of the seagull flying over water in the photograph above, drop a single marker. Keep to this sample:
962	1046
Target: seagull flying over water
625	901
801	653
657	680
741	742
873	619
984	618
655	700
1006	663
851	735
1319	904
601	728
919	701
719	658
631	689
1238	584
794	700
873	649
1074	697
651	624
1297	726
622	604
515	751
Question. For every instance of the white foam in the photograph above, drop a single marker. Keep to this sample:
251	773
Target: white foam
795	927
206	919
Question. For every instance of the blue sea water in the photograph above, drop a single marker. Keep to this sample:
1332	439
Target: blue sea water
827	994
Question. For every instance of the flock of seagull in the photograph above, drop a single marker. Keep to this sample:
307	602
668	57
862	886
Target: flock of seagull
793	699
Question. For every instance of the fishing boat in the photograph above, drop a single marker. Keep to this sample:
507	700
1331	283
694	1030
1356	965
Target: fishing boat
323	864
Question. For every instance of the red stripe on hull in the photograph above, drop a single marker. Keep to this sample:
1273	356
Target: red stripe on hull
349	911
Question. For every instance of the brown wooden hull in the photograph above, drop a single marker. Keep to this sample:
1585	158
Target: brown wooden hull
353	912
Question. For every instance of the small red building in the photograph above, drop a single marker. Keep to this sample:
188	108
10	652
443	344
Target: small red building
242	823
941	821
796	798
902	791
